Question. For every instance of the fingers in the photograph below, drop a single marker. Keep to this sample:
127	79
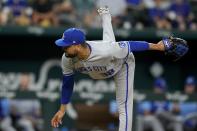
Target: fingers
55	122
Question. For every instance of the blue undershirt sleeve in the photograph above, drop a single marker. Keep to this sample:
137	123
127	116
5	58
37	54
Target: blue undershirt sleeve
67	88
135	46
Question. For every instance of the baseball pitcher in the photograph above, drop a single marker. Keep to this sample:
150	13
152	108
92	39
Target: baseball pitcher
104	59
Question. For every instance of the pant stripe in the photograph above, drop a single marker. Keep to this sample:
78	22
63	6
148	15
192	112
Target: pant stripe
127	68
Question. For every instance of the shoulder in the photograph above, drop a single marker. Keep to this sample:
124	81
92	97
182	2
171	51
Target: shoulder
119	45
96	42
99	45
66	60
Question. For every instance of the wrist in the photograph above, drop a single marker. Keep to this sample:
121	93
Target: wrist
62	108
159	46
166	44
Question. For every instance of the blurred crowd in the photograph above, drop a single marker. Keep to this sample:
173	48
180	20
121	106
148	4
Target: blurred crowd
20	115
150	115
137	14
163	115
168	115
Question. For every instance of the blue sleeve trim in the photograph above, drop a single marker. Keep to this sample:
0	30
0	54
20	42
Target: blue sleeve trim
68	74
138	46
67	88
128	49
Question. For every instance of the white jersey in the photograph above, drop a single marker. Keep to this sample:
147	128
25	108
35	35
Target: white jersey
105	60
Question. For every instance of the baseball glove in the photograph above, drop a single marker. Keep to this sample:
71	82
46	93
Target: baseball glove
175	47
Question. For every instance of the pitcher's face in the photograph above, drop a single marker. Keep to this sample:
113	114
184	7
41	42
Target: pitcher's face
70	51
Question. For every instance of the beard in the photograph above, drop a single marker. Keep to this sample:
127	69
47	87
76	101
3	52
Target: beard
70	55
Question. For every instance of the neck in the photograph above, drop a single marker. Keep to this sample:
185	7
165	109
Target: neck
83	53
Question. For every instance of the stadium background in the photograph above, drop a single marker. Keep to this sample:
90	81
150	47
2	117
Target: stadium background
30	72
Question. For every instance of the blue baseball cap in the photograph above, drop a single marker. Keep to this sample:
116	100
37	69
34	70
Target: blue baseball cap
190	80
71	36
160	83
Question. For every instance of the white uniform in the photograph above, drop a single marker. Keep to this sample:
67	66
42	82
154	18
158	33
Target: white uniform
109	58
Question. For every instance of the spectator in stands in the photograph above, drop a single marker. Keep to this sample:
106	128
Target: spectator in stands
184	114
181	115
92	19
1	4
163	110
160	86
148	110
188	115
189	109
181	15
65	13
5	120
147	119
190	85
24	82
82	8
172	118
27	115
17	12
130	18
3	13
158	16
43	13
143	8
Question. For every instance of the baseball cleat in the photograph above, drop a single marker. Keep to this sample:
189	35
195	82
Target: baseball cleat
103	10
